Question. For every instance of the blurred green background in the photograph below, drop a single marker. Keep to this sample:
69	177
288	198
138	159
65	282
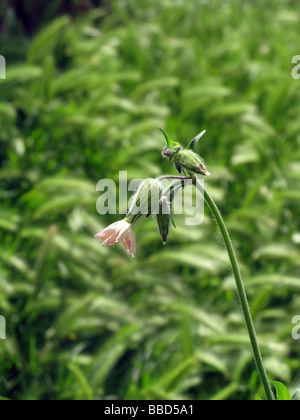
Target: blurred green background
88	83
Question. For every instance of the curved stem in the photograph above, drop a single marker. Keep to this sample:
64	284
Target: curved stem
241	290
174	177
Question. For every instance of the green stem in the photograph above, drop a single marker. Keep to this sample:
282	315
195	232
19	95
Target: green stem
241	291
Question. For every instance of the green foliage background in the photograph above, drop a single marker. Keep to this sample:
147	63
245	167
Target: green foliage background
82	100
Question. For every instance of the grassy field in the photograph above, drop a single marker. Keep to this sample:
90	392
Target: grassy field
82	101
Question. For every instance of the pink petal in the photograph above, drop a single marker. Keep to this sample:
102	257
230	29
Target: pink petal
105	233
111	240
101	235
133	249
123	232
130	245
132	240
126	245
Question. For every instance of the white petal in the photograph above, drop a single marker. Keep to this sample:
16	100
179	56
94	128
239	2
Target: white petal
123	232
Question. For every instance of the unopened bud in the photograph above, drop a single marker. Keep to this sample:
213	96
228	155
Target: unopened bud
146	200
164	219
189	160
185	160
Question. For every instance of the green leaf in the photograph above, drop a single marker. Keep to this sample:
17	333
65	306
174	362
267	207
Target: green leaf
86	390
282	393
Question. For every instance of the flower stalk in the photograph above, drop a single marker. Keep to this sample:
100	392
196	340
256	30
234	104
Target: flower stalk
241	290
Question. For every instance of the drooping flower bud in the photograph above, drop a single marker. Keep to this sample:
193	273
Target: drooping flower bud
166	214
146	200
164	218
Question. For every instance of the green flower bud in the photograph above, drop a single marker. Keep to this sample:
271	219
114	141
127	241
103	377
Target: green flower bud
185	160
191	162
164	219
146	200
166	215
